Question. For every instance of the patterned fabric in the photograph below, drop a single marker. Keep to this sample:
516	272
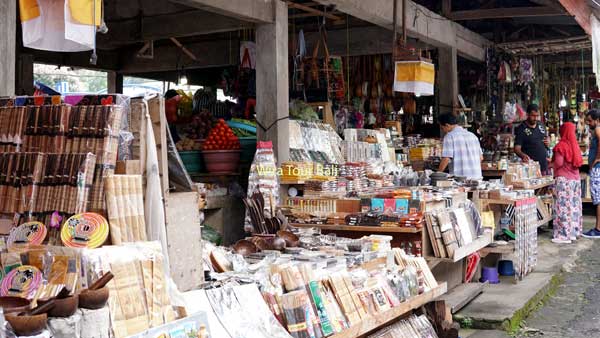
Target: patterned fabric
595	184
463	148
568	220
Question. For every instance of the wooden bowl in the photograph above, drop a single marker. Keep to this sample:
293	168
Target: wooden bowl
245	247
93	299
64	307
27	325
14	304
278	244
261	243
291	240
219	262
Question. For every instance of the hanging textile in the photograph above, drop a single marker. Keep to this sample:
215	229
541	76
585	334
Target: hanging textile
595	23
60	25
414	77
248	51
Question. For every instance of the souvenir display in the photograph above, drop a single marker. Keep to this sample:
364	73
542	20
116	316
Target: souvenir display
125	206
66	129
28	233
22	281
87	230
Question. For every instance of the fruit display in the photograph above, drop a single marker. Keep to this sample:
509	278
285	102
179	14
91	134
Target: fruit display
199	126
185	103
187	144
221	137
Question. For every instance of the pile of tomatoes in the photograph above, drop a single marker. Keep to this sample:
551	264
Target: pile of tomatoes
221	137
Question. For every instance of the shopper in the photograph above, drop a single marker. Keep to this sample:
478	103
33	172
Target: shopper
531	139
566	161
593	121
460	146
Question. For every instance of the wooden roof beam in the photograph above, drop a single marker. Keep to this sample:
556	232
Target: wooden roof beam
314	11
581	11
504	13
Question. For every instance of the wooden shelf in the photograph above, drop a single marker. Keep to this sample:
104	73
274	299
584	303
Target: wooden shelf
379	320
586	200
493	172
500	249
498	202
373	229
461	295
533	187
544	221
462	252
472	247
292	182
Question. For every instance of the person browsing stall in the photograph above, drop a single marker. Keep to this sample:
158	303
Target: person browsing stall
531	139
593	122
461	147
567	204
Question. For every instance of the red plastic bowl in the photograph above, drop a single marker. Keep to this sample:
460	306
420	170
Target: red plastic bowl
221	161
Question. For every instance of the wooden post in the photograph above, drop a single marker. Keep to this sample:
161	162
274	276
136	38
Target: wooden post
447	80
8	26
272	81
446	8
115	82
24	83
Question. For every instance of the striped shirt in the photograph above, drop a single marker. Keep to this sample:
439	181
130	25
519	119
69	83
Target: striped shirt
463	148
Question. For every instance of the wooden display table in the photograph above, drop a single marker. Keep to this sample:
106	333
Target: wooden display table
493	173
375	322
398	234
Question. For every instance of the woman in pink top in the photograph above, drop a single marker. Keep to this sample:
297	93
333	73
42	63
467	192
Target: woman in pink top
566	161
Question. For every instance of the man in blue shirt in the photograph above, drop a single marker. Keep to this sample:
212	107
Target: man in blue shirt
460	146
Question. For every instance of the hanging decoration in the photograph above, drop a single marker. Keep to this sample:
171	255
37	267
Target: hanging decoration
60	26
414	77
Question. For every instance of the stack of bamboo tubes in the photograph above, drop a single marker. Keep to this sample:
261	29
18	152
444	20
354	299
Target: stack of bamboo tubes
125	207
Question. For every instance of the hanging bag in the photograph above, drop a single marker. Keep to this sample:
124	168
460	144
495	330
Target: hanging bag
246	82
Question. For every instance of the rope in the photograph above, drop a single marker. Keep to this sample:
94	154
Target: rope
271	125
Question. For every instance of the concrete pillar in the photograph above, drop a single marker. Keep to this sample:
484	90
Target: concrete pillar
115	82
8	26
24	81
272	84
447	79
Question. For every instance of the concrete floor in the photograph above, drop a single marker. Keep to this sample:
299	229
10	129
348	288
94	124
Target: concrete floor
524	307
574	310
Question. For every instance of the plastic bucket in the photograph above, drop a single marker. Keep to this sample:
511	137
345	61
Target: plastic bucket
221	161
506	268
489	275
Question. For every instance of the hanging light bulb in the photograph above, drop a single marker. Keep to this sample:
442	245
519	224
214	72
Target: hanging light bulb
563	102
183	80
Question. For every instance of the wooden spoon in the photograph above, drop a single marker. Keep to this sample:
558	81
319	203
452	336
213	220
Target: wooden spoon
102	281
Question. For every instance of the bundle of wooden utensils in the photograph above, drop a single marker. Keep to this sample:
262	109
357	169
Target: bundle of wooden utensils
43	183
255	206
65	129
28	321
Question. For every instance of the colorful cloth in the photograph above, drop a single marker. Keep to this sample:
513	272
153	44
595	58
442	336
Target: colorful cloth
463	148
595	184
568	209
568	146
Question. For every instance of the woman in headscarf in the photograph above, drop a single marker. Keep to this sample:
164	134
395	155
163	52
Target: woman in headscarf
567	160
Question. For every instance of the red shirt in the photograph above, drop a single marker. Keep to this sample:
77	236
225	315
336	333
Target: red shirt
563	169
